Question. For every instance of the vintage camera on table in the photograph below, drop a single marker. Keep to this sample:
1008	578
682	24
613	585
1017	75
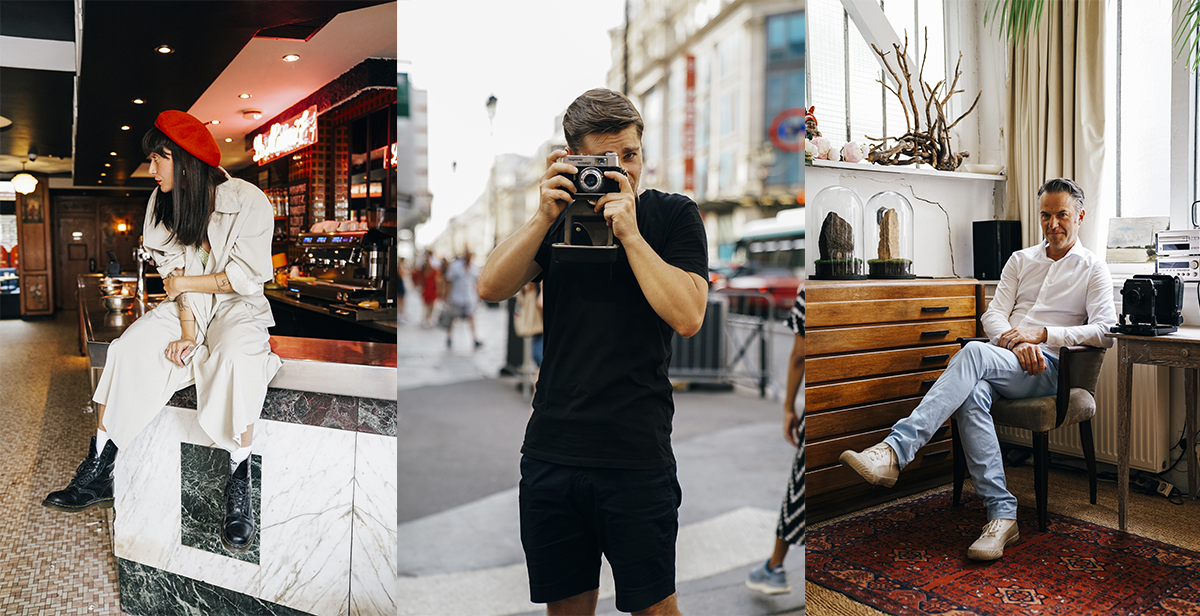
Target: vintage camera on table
1153	304
587	238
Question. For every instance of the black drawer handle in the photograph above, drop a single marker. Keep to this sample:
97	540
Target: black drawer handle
936	454
934	308
936	333
928	382
942	357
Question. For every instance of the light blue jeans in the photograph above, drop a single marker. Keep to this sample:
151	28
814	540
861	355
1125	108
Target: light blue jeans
965	390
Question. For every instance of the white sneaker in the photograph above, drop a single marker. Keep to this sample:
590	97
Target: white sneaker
877	464
997	535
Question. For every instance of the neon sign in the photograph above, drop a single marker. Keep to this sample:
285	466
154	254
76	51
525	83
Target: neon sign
286	137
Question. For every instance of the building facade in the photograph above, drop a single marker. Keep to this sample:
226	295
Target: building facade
720	84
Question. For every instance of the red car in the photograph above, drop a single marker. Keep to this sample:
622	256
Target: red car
748	285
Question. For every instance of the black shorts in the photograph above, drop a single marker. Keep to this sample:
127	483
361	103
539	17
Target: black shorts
570	515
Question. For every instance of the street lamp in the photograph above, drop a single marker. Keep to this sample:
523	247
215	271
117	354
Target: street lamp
491	109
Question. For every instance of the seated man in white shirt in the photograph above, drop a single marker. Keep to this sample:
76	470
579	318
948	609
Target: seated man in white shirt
1054	294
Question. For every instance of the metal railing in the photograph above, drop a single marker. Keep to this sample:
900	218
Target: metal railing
734	345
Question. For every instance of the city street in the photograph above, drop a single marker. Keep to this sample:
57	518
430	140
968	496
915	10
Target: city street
460	433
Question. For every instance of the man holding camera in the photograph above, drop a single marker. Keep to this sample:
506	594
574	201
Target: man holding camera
1051	295
597	473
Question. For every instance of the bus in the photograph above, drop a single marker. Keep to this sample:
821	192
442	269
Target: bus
769	258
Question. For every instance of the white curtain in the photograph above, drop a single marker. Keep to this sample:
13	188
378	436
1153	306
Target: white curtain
1056	115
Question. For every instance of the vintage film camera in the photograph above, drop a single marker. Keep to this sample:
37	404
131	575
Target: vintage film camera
590	182
1153	303
587	238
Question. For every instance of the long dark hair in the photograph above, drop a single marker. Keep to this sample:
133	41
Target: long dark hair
186	209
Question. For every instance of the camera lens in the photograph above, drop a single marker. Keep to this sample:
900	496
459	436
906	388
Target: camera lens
590	179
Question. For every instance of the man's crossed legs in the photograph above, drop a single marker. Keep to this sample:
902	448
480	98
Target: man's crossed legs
966	390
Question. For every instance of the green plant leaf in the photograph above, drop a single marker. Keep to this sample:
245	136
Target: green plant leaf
1017	19
1187	35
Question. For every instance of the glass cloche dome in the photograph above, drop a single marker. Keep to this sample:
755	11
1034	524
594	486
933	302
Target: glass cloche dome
889	231
840	243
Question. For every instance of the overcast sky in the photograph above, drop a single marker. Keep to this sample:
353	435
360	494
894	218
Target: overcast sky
535	56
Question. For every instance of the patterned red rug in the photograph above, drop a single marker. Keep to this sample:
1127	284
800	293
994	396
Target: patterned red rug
911	559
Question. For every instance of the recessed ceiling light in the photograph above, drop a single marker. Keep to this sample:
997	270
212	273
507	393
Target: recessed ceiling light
125	127
291	57
164	49
107	164
112	153
214	121
229	140
103	174
138	101
243	95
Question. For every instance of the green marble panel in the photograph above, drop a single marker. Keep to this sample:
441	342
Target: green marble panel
149	591
203	472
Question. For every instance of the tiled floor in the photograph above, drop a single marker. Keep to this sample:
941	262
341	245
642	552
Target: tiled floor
51	562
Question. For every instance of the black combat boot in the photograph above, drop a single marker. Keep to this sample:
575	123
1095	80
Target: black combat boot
237	531
92	485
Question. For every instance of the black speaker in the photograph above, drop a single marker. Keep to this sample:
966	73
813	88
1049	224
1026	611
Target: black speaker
995	240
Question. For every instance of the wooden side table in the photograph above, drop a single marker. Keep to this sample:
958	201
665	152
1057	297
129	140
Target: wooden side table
1178	350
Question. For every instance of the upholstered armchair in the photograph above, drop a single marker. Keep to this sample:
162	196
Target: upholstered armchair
1075	403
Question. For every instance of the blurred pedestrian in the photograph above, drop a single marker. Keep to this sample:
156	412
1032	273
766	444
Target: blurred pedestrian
401	269
462	296
771	578
426	279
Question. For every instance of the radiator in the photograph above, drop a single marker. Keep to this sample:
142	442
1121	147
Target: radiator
1149	438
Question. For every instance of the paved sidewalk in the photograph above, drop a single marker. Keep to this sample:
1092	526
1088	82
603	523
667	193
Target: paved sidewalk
460	432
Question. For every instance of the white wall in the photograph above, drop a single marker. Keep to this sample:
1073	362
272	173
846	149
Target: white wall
938	233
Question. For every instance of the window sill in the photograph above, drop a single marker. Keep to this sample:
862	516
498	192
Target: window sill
917	170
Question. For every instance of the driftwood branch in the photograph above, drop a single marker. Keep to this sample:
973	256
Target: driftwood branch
928	144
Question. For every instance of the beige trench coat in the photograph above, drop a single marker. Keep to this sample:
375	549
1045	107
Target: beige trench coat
232	363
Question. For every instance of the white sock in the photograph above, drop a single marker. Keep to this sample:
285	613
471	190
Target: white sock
237	456
101	441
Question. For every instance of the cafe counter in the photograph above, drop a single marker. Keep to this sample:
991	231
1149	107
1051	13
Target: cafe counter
324	467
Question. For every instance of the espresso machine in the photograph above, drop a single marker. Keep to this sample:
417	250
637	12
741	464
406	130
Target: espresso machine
353	271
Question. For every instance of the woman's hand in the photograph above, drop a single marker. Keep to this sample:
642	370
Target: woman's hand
179	349
791	427
171	284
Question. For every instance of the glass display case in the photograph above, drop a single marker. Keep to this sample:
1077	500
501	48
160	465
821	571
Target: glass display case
839	214
889	235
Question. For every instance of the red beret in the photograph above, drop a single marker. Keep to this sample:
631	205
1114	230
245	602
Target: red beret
190	134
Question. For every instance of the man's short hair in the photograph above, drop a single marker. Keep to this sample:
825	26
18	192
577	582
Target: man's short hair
599	111
1064	185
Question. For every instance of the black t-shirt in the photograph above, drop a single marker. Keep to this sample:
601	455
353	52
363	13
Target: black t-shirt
603	398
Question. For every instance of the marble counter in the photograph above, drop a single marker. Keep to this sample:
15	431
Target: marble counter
324	471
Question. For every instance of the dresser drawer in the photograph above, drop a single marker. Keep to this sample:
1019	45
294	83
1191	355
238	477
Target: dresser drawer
828	424
861	391
820	454
878	337
824	314
819	291
858	365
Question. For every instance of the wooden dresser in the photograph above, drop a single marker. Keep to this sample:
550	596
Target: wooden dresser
874	348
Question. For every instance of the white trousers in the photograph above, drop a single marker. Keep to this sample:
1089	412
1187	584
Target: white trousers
231	368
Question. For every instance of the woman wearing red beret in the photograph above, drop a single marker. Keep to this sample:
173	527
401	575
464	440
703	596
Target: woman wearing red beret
210	236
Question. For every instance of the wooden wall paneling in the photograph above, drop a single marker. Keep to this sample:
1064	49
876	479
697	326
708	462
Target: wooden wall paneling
34	222
112	211
76	235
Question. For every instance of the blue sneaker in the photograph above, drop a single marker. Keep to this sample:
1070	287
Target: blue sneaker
768	581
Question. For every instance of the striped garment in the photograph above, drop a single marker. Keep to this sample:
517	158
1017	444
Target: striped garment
791	515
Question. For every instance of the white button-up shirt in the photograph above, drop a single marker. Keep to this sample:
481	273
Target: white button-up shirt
1072	298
